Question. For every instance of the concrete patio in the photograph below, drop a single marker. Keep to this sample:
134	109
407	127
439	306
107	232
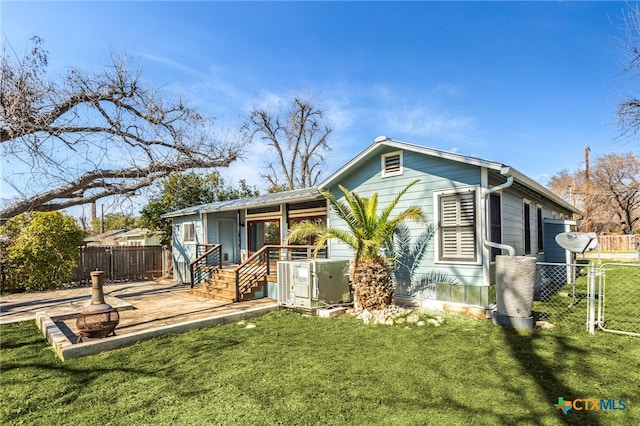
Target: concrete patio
147	309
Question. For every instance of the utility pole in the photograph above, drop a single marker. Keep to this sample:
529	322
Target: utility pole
587	227
572	197
94	216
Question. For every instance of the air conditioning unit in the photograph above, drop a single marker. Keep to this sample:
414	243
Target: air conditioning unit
313	283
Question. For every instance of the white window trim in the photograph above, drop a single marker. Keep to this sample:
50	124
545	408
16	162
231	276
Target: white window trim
478	222
383	158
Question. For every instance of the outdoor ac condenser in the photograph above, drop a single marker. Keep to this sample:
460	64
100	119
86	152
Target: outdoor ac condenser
313	283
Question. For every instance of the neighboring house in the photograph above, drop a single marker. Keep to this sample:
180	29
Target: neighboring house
478	208
138	237
104	239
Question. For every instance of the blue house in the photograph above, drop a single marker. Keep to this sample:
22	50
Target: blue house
476	209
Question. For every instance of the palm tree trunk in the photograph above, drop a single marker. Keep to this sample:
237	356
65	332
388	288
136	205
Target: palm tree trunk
373	284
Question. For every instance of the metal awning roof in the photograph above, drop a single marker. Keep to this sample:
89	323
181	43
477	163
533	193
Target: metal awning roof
295	196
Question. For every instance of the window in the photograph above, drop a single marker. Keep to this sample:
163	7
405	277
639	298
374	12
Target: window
457	235
262	233
527	228
189	232
495	224
310	240
392	164
540	234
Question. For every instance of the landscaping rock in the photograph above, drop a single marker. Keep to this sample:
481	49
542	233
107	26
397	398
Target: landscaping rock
388	316
413	318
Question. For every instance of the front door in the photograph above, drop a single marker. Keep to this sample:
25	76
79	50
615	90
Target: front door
224	231
228	239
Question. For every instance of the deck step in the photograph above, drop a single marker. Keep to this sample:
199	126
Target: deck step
221	283
222	286
199	292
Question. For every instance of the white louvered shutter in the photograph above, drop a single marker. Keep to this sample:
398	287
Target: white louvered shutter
457	227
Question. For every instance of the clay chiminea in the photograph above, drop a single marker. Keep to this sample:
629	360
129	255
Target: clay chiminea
98	319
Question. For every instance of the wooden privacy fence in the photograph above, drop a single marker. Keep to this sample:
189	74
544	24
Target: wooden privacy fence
618	242
123	262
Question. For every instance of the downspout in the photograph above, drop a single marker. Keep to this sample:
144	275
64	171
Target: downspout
485	197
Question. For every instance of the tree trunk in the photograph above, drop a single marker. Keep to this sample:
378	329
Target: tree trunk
373	285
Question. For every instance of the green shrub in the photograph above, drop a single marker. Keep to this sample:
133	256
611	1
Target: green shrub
40	251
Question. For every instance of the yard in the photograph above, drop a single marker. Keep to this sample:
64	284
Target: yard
285	368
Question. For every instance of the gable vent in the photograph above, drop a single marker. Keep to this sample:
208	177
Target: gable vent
392	164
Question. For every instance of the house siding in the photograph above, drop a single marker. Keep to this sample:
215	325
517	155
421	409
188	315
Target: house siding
512	214
513	222
435	175
185	252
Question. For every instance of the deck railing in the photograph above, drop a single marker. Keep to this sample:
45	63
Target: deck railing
262	263
254	270
206	264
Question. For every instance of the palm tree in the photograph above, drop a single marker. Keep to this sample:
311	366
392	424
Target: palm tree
408	256
368	233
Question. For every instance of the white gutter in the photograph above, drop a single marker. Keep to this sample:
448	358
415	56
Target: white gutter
485	197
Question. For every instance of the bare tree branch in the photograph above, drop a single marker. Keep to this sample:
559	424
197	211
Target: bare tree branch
629	108
299	146
613	195
105	130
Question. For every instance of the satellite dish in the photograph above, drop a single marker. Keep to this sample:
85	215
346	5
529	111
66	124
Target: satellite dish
577	242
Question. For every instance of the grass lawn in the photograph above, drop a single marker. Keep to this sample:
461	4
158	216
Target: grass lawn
296	370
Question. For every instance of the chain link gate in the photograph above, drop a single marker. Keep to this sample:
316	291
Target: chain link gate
619	298
605	297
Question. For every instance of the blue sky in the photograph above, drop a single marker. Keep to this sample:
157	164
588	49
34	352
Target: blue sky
527	84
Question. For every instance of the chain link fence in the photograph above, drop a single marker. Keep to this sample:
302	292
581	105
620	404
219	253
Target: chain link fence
561	295
581	296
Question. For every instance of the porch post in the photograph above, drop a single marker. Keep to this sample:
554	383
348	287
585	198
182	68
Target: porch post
284	223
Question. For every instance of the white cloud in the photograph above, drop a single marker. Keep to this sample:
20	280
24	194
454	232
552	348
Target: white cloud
424	121
379	109
178	65
249	168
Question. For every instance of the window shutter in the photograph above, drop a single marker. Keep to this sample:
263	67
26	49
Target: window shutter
457	227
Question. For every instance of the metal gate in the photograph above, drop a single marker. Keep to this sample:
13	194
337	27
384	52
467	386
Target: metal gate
618	301
605	298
